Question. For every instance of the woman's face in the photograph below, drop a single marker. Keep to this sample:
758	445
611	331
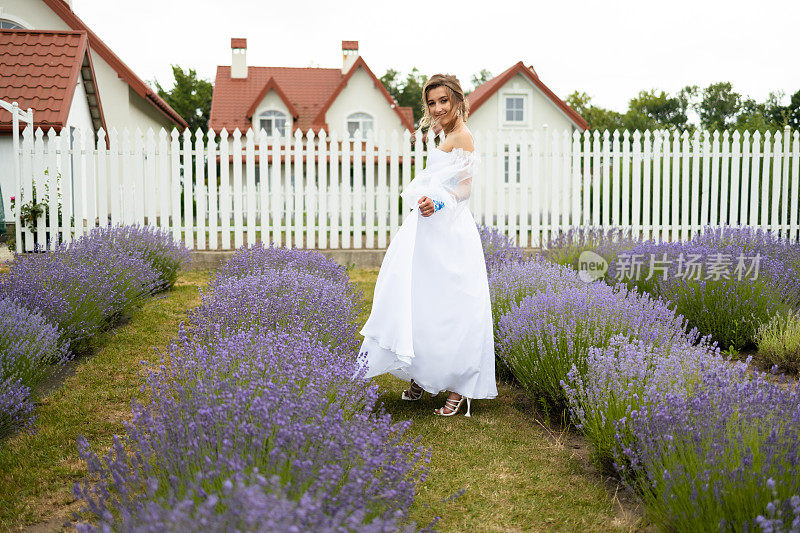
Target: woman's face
439	105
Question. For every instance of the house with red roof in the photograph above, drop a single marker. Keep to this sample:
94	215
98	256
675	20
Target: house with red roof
517	100
52	63
282	100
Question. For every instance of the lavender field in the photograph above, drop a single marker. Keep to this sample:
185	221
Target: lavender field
250	413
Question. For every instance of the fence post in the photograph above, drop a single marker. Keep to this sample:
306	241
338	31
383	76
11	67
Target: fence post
787	151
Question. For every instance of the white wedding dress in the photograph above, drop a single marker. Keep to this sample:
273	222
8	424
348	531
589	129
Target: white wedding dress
431	317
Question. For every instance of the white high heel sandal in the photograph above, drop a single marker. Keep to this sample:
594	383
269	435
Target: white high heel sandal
411	395
454	406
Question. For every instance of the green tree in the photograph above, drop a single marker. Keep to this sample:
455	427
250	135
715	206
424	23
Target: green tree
481	77
190	97
793	111
756	116
408	91
656	110
597	117
719	105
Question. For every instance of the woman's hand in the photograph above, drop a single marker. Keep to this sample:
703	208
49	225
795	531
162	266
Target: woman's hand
425	206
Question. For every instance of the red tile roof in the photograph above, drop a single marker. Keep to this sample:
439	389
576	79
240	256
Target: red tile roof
238	43
63	10
39	69
272	85
482	93
310	91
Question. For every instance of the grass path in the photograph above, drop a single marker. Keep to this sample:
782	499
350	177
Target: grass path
517	472
37	471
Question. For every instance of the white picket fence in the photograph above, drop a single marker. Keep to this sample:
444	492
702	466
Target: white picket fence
657	184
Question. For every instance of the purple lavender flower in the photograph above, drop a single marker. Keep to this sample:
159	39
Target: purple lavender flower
498	249
81	288
281	300
256	420
621	378
728	301
258	259
719	456
153	245
567	246
545	334
30	350
260	428
511	281
16	407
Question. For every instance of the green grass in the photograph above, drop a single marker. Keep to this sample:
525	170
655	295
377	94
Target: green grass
518	472
37	471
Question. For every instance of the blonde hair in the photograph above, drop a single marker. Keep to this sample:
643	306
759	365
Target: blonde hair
454	91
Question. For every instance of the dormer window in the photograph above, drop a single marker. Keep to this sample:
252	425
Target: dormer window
8	25
359	121
515	108
272	122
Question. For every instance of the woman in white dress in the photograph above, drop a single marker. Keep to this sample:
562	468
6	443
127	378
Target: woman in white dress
431	318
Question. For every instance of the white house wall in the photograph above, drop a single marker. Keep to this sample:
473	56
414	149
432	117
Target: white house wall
361	95
79	115
539	110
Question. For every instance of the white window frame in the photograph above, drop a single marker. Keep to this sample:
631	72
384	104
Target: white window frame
506	97
259	118
360	120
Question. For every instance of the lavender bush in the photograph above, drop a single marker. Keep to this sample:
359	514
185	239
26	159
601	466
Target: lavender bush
718	458
268	418
285	300
752	240
30	350
153	245
498	249
722	305
567	246
546	334
258	259
512	281
80	289
624	376
509	283
16	407
779	342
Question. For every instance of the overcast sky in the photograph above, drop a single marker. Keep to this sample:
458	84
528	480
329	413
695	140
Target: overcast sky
609	49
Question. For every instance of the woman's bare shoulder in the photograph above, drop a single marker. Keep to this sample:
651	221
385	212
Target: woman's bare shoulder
463	139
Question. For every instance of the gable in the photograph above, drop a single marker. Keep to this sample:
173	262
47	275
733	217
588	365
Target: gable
359	65
488	92
272	97
361	95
